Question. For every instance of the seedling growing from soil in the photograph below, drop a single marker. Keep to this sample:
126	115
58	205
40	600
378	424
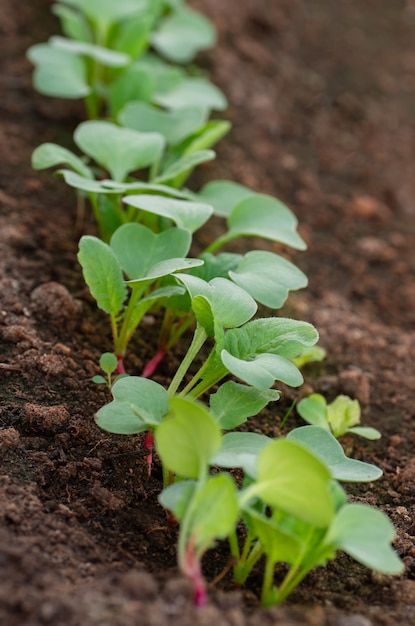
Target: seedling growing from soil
108	363
103	56
293	509
340	417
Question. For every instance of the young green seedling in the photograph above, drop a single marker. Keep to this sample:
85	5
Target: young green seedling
340	417
143	257
108	363
100	57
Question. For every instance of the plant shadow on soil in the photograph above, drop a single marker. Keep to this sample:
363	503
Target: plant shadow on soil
322	102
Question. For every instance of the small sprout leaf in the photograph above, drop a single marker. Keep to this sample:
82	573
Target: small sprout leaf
108	362
268	277
189	215
119	150
365	534
342	414
326	447
233	403
314	410
102	274
365	431
188	438
50	154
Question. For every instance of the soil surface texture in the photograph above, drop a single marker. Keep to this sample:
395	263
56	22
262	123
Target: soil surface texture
322	101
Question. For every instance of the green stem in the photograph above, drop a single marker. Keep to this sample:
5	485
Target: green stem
125	333
198	340
248	562
218	243
268	583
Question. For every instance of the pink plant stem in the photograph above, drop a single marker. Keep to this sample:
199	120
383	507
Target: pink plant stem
153	364
148	445
193	572
120	366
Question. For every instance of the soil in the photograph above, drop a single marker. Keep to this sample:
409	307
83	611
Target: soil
322	100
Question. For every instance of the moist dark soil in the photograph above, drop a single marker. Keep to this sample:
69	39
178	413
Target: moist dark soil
322	101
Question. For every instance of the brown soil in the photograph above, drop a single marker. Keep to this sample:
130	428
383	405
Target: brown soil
322	98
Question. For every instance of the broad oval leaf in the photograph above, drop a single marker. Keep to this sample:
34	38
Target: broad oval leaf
267	277
278	544
215	511
139	404
233	403
105	56
138	249
50	154
267	217
314	410
102	274
165	268
185	165
263	370
190	215
192	92
366	535
119	150
241	450
175	126
293	480
223	195
231	305
182	34
188	438
326	447
58	73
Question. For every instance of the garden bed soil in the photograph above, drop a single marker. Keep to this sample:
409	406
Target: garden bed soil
322	99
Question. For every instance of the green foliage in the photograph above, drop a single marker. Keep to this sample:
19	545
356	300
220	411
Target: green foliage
340	417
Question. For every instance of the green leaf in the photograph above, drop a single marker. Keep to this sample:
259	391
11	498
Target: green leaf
182	34
263	370
217	266
241	450
314	410
207	136
187	438
138	249
268	277
110	58
73	24
316	354
119	150
175	126
293	480
135	83
103	13
223	195
132	36
233	403
230	304
264	216
259	351
279	545
215	511
139	404
58	73
365	431
365	534
108	362
50	154
102	274
342	414
189	215
176	497
185	165
165	268
326	447
192	92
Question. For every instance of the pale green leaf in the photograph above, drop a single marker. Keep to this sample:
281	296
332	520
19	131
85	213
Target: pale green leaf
241	450
102	274
58	73
50	154
233	403
192	92
189	215
223	195
185	165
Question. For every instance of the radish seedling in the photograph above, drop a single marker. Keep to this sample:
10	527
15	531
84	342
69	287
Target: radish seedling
339	417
